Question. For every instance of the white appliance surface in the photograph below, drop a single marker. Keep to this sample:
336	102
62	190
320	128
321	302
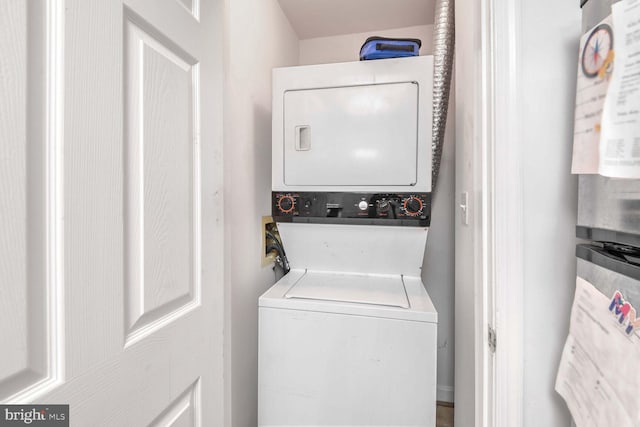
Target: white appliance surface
367	249
316	296
358	288
371	127
354	126
339	362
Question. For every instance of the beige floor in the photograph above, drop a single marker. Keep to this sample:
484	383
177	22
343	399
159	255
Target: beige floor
444	416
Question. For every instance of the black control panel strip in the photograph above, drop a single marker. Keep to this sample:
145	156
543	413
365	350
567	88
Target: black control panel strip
356	221
403	209
606	260
604	235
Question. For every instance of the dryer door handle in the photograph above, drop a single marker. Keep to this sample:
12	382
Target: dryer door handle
303	138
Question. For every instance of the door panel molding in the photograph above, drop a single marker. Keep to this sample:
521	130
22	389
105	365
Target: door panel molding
192	6
184	410
162	179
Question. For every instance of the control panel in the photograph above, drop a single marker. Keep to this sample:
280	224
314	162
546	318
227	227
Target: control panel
410	209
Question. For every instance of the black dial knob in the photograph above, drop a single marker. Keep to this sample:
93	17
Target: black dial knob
285	204
413	206
383	206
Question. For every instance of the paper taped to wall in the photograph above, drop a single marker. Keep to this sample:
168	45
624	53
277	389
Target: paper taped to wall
598	376
606	137
594	71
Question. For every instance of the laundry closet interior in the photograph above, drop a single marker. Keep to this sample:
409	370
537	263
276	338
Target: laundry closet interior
275	34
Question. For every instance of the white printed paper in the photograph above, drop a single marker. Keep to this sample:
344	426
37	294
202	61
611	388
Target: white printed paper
594	71
620	139
599	374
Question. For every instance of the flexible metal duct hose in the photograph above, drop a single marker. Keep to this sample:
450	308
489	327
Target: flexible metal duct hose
443	40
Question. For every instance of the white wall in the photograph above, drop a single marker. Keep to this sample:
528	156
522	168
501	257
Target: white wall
438	267
468	72
344	48
548	59
258	38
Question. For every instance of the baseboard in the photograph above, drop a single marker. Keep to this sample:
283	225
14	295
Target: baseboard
444	393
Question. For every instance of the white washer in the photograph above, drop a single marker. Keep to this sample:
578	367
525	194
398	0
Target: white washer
336	361
348	348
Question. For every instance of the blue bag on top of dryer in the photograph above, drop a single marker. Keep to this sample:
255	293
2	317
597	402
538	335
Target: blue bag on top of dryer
385	47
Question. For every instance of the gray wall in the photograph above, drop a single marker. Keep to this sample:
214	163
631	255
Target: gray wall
438	269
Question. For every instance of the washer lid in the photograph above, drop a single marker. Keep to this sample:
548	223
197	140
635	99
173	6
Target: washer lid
356	288
372	295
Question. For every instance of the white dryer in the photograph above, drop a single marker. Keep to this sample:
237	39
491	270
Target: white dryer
348	337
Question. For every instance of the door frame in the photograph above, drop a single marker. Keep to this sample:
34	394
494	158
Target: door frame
508	209
491	106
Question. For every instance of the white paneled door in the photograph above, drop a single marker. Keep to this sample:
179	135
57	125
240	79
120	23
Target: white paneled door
110	209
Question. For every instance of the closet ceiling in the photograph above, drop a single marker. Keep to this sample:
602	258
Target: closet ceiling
322	18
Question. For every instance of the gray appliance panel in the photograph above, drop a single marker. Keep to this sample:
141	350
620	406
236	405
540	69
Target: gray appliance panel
606	203
609	204
594	11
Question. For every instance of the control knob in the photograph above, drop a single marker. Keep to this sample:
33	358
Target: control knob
413	206
286	203
383	205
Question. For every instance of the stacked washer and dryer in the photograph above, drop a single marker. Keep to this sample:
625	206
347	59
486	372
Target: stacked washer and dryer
348	337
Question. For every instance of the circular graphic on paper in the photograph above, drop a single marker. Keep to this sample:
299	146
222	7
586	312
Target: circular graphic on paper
596	50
